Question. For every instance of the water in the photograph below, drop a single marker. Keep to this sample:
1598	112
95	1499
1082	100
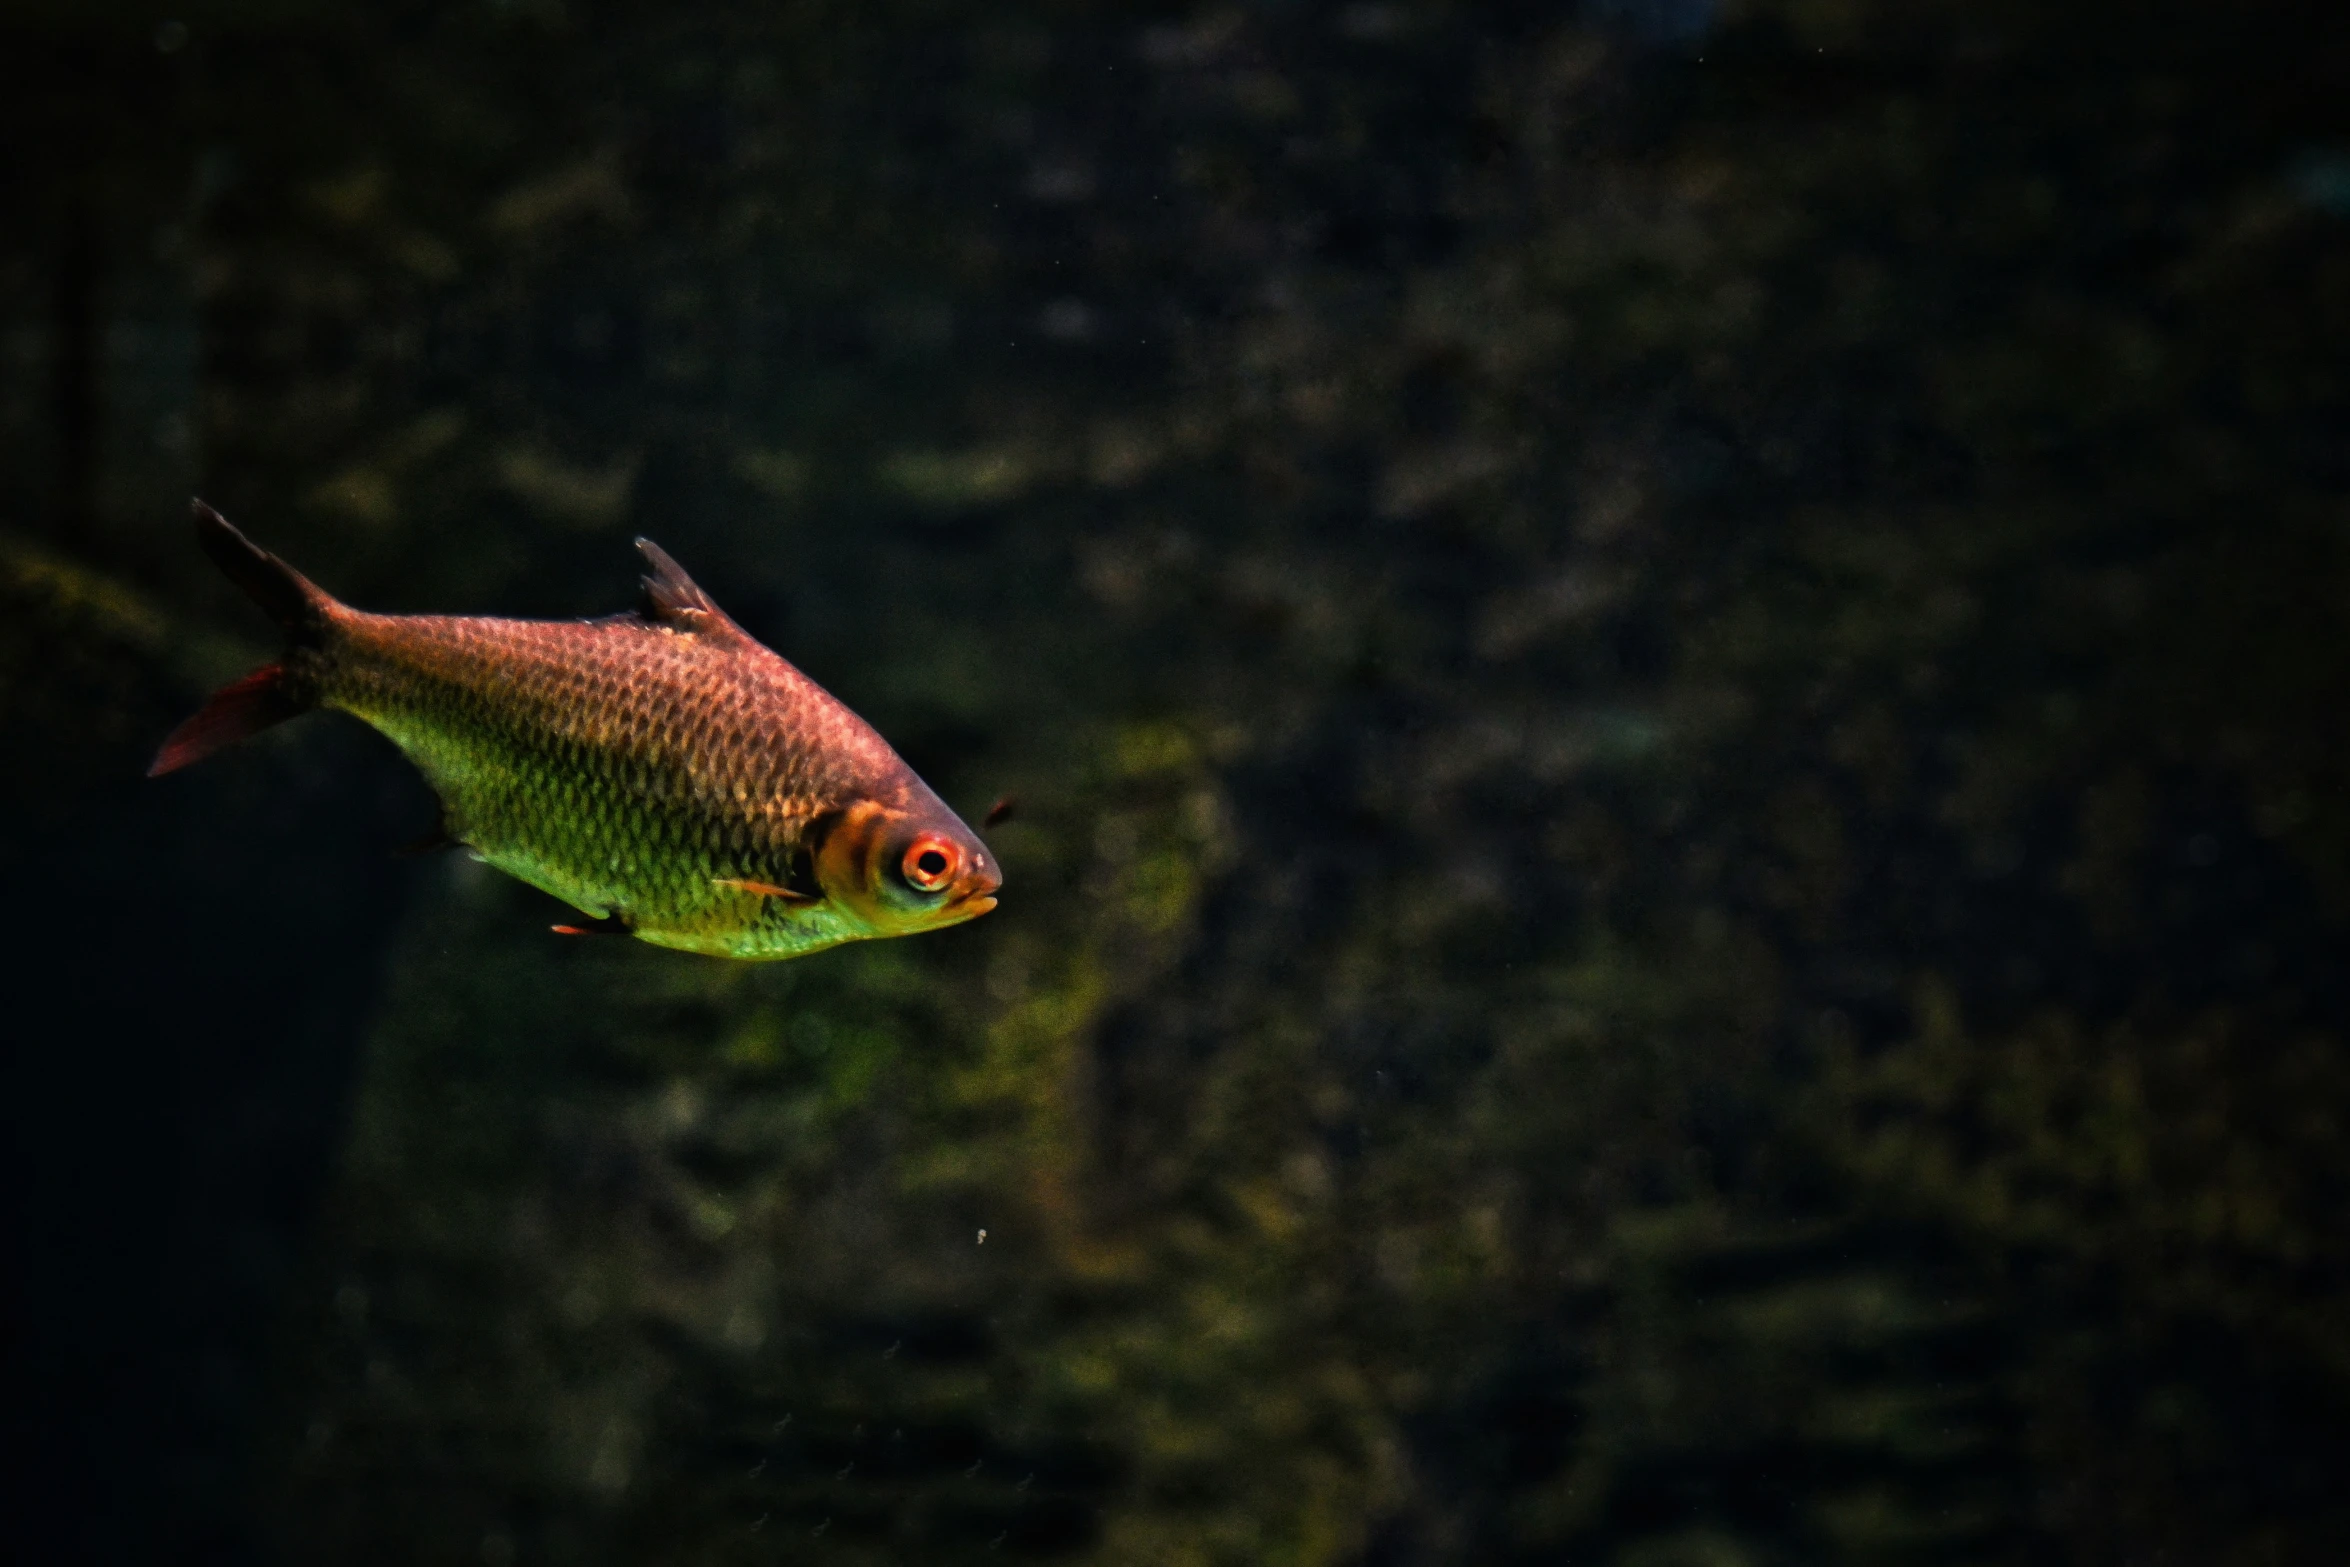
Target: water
1673	675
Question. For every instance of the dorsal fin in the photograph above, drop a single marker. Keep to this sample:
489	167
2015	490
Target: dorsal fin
675	600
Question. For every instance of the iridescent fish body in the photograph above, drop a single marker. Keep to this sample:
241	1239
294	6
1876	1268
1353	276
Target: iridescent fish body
660	771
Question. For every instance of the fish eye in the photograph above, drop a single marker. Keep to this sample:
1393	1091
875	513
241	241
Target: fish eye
930	863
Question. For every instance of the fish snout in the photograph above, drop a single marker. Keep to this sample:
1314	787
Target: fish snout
977	894
975	891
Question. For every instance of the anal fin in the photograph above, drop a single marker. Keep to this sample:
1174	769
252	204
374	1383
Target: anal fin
431	841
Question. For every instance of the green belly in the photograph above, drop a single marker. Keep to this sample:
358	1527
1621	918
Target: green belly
613	835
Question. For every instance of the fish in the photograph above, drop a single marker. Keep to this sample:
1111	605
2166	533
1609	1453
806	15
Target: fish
658	770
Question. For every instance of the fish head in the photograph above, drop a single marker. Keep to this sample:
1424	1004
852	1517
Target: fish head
904	870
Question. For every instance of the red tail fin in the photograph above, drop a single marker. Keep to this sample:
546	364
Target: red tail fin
246	708
267	696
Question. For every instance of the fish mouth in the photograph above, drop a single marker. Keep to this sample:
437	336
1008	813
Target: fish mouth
975	894
976	899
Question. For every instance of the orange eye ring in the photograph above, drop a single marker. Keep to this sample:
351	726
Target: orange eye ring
930	863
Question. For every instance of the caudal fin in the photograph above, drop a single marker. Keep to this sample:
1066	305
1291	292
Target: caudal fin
253	704
291	599
269	695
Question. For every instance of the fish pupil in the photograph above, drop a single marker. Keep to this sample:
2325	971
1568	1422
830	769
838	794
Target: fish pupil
931	863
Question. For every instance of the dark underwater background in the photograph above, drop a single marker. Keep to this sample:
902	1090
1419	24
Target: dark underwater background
1676	677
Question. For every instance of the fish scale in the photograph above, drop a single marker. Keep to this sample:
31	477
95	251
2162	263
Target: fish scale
660	771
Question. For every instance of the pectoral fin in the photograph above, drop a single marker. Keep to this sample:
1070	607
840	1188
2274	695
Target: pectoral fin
765	889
